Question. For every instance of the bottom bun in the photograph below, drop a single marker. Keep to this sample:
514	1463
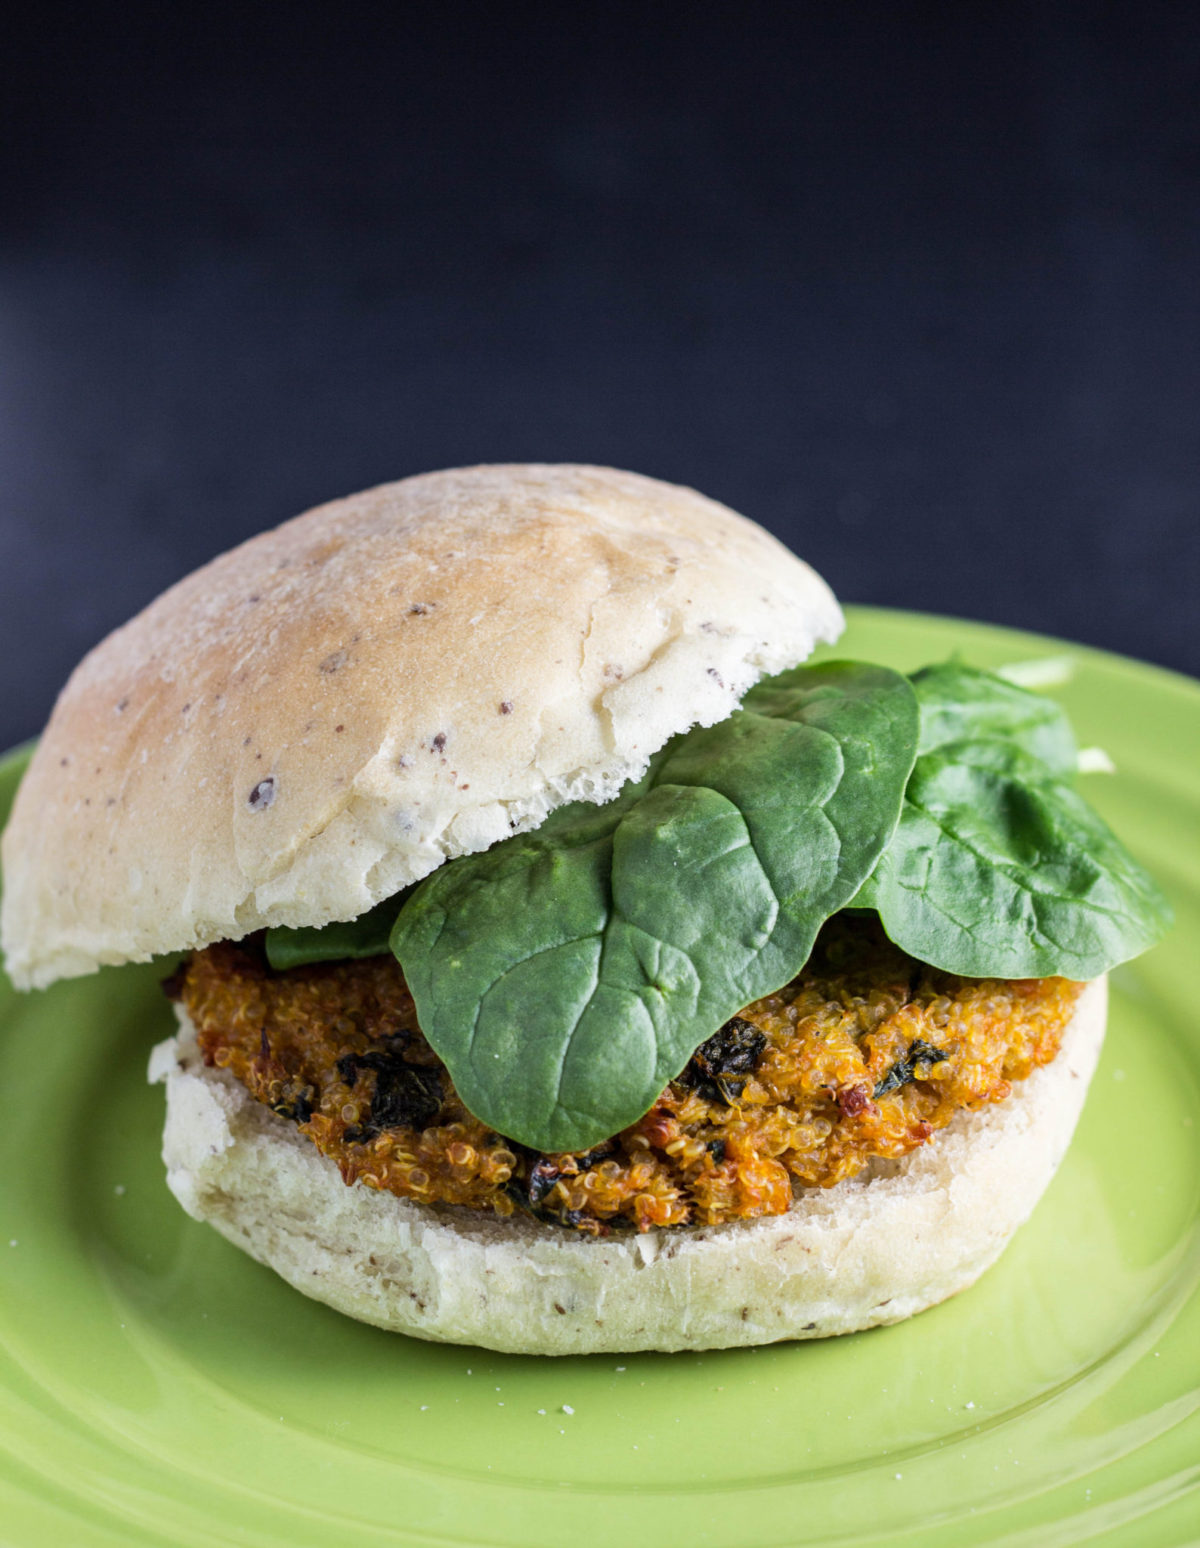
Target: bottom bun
897	1238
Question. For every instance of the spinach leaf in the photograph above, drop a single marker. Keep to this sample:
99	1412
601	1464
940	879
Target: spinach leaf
565	975
366	936
959	701
999	869
908	1068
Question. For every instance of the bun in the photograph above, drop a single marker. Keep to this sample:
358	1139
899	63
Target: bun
330	711
898	1238
327	713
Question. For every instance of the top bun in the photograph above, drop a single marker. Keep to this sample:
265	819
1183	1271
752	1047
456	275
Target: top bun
327	713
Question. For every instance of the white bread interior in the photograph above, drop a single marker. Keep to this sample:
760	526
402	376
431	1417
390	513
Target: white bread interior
327	713
898	1238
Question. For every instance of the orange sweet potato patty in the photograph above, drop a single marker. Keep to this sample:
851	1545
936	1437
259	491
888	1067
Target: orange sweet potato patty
866	1053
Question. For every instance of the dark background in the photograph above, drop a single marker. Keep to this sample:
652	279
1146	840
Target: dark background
918	287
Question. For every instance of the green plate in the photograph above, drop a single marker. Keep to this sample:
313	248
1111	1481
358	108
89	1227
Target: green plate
156	1387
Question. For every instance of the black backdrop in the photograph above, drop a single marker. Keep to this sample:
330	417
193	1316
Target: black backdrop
918	287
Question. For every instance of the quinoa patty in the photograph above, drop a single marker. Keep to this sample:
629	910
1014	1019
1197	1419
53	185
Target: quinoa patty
866	1053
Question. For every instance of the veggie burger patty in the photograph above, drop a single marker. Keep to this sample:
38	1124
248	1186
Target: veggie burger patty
866	1053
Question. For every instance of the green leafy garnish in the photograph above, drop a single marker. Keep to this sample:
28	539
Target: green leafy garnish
566	975
366	936
998	868
959	702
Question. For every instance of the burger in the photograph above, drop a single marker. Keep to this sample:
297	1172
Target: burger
561	964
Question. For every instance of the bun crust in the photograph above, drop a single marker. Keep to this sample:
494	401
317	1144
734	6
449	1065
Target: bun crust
327	713
898	1238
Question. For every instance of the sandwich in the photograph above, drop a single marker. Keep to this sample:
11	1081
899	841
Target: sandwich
563	962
